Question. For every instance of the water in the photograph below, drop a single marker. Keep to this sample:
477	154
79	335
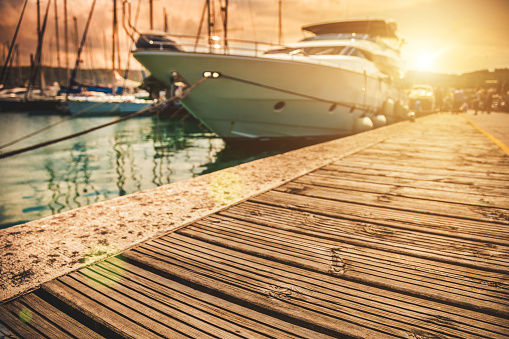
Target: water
128	157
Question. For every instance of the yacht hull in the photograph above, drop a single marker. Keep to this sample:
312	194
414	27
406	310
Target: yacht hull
259	98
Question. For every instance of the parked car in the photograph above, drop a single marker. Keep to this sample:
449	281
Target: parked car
421	99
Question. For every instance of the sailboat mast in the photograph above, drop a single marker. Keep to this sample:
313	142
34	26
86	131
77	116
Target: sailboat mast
280	35
83	39
225	24
66	41
151	15
12	44
56	34
165	20
38	19
114	33
209	20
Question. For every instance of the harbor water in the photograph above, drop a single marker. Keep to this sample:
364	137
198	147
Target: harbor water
128	157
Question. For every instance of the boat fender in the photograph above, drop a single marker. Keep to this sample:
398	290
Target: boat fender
388	107
362	124
379	120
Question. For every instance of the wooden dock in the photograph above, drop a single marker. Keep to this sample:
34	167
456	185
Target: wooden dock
407	238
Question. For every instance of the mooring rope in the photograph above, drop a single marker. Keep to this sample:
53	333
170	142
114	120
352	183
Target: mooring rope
353	107
127	117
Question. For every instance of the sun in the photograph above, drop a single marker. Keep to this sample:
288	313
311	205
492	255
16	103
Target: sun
425	62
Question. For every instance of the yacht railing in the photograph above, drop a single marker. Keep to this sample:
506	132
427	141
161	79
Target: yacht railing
208	44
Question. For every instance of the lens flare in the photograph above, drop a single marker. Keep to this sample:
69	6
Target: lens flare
25	315
226	187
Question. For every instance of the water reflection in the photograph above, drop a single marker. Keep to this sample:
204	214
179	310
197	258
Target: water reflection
124	158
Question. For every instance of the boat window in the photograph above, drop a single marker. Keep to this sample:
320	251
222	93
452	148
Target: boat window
322	50
340	36
283	51
356	52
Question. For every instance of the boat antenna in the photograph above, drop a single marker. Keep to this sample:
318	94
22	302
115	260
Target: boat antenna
83	39
12	43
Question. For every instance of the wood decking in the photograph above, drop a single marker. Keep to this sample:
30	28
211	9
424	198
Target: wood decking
408	238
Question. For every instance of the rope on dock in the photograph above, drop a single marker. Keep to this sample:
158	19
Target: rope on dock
353	107
127	117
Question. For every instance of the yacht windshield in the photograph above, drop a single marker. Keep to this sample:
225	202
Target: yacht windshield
323	50
152	41
340	36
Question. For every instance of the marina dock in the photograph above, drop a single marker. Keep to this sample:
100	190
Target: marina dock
402	231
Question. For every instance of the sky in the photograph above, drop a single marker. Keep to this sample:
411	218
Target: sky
441	36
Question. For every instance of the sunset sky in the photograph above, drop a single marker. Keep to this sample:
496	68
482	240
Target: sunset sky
443	36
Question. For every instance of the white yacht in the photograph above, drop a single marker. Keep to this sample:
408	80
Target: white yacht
341	79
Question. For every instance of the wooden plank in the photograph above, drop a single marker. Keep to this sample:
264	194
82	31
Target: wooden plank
404	244
365	172
488	254
412	140
5	333
258	298
472	190
384	196
132	305
14	324
57	317
82	299
37	321
452	157
169	311
243	321
402	273
383	238
401	168
438	148
431	165
343	299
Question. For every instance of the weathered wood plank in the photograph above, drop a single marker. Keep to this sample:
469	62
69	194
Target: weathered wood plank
401	168
402	273
413	221
124	300
366	172
83	300
245	322
57	317
453	191
258	298
349	298
370	236
492	152
37	321
20	328
453	158
385	196
167	309
431	165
